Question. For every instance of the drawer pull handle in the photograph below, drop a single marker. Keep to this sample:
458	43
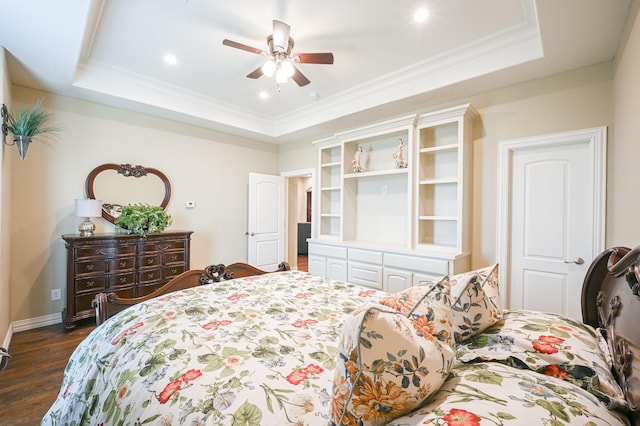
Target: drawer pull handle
174	257
89	267
149	261
123	280
163	246
123	264
150	275
90	283
174	271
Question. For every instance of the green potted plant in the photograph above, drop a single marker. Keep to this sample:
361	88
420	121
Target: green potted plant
27	123
142	218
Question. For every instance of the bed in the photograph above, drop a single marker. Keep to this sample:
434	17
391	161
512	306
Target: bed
288	347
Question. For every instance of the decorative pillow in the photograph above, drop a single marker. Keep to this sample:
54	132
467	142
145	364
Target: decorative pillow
388	364
551	344
475	300
415	303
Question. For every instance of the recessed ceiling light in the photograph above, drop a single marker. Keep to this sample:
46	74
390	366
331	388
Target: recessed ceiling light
421	15
263	95
170	59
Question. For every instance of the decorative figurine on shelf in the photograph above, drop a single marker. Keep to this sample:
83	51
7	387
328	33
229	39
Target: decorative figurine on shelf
357	167
399	155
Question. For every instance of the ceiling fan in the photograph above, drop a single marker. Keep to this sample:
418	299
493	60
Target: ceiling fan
281	61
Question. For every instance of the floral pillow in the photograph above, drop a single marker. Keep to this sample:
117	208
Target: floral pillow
475	300
415	303
551	344
389	364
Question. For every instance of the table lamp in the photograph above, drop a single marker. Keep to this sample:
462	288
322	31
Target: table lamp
88	208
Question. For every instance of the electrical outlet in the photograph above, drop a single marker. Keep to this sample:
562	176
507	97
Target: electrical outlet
56	294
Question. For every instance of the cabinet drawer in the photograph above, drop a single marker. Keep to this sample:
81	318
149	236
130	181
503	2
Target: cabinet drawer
149	260
90	284
365	256
109	251
363	274
151	246
90	267
122	264
174	257
322	250
171	271
147	275
420	264
122	280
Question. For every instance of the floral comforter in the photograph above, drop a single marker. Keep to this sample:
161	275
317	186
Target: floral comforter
262	351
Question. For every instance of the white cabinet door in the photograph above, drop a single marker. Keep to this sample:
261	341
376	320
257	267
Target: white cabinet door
396	280
336	269
317	265
423	279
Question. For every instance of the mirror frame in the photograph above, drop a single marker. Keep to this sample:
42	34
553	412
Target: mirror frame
127	170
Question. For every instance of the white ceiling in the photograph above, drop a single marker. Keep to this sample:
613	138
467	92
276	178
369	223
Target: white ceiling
111	52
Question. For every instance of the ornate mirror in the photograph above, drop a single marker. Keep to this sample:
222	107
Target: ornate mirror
112	184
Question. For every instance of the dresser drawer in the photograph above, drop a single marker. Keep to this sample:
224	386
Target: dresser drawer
120	280
151	246
173	257
171	271
150	260
90	267
148	275
105	251
143	290
122	264
91	284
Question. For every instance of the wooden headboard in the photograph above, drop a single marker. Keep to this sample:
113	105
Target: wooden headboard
108	304
611	301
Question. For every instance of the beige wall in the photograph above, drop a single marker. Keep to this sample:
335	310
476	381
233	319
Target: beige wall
569	101
623	204
5	193
204	166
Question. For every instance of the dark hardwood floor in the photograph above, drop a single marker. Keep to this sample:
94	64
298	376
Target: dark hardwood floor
32	379
303	263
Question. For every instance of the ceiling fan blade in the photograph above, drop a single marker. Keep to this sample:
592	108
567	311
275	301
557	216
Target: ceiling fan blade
280	35
299	78
241	46
315	58
257	73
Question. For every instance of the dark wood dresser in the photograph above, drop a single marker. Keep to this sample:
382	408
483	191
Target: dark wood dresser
128	265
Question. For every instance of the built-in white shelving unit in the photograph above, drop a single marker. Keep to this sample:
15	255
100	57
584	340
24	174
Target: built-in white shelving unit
392	227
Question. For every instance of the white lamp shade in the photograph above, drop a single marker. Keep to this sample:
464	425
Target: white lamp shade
269	68
88	208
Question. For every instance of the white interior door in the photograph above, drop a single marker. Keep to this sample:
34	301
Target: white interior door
553	216
266	220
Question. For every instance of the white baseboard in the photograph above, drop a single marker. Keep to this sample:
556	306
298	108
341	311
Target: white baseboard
30	324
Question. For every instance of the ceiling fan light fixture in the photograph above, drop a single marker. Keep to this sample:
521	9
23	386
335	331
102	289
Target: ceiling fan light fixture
287	68
281	76
269	68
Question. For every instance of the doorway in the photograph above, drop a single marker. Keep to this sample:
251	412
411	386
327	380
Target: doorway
299	200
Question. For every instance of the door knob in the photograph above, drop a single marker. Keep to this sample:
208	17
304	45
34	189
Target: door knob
250	233
577	261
